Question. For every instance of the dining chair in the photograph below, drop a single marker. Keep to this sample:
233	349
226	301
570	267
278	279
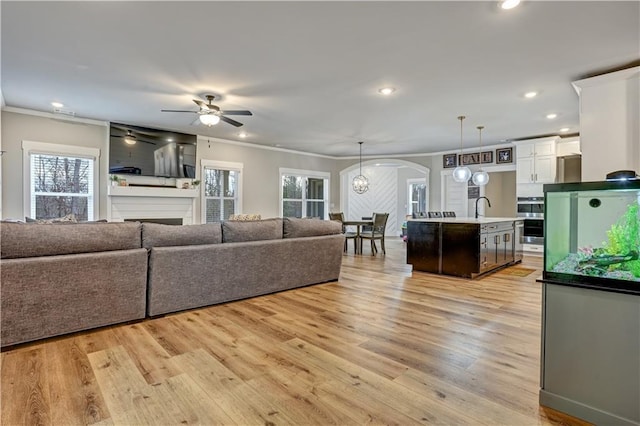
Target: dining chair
366	228
348	235
377	232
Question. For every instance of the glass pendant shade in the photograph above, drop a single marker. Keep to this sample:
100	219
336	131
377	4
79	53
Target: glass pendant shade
480	177
209	119
462	172
360	183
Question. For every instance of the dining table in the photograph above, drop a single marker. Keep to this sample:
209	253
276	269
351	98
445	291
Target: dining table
358	224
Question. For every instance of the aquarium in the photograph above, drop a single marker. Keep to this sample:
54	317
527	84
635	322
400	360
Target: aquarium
592	235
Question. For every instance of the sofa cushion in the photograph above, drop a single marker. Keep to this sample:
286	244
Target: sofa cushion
296	228
158	235
31	240
253	230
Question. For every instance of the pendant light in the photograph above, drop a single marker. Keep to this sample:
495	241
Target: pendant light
360	183
462	172
480	177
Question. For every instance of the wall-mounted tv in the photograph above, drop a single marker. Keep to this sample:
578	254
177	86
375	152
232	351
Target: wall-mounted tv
151	152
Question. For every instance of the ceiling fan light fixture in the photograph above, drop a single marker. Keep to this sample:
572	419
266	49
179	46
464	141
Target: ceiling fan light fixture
209	119
130	139
509	4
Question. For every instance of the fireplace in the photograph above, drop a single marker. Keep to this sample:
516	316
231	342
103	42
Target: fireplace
146	204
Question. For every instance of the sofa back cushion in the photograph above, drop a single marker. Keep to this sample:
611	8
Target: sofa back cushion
253	230
32	240
296	228
158	235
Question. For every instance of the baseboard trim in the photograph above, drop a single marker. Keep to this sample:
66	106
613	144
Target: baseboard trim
583	411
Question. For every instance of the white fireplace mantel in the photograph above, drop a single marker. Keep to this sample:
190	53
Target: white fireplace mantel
148	191
139	202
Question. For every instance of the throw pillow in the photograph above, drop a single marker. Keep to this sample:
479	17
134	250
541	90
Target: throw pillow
68	218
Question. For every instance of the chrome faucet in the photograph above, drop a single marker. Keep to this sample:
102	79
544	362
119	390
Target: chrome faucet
478	199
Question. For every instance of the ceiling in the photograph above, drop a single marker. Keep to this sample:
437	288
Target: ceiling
310	71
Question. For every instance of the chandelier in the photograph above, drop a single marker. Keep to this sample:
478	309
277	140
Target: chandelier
360	183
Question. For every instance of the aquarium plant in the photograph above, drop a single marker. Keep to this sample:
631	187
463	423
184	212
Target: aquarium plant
624	238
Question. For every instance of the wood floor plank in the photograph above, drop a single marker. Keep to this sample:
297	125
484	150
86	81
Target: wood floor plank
75	395
397	397
231	394
123	386
151	359
25	388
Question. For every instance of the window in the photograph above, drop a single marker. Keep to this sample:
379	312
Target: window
304	193
60	180
221	186
418	200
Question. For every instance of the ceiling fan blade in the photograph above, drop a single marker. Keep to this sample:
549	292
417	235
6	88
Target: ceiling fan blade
196	122
236	112
230	121
177	110
201	104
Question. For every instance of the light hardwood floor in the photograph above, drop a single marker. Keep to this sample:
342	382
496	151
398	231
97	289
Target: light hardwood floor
382	345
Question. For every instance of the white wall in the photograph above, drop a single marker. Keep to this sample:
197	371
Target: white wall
261	168
610	123
17	127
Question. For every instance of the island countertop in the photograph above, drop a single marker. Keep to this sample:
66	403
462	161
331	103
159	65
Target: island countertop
463	246
471	220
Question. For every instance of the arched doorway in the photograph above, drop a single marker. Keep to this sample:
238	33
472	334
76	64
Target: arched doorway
389	183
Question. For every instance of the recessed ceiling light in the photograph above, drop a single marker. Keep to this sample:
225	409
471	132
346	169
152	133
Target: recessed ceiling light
386	91
509	4
530	95
169	139
564	129
243	134
551	116
57	104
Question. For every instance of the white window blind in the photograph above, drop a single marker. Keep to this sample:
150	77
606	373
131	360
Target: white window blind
61	185
220	193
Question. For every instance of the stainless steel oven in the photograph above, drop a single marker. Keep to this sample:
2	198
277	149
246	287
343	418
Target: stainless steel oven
531	210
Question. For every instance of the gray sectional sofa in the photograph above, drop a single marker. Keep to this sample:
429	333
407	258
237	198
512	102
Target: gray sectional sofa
62	278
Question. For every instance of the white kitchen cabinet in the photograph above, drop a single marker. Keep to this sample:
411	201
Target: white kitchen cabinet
536	161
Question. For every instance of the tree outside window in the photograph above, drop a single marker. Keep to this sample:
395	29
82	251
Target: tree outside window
61	185
220	194
304	196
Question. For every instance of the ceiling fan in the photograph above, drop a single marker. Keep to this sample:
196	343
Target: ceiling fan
210	114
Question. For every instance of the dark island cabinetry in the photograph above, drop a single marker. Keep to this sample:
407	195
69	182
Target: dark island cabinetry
462	247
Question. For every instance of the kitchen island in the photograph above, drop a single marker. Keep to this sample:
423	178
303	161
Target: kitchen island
464	247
